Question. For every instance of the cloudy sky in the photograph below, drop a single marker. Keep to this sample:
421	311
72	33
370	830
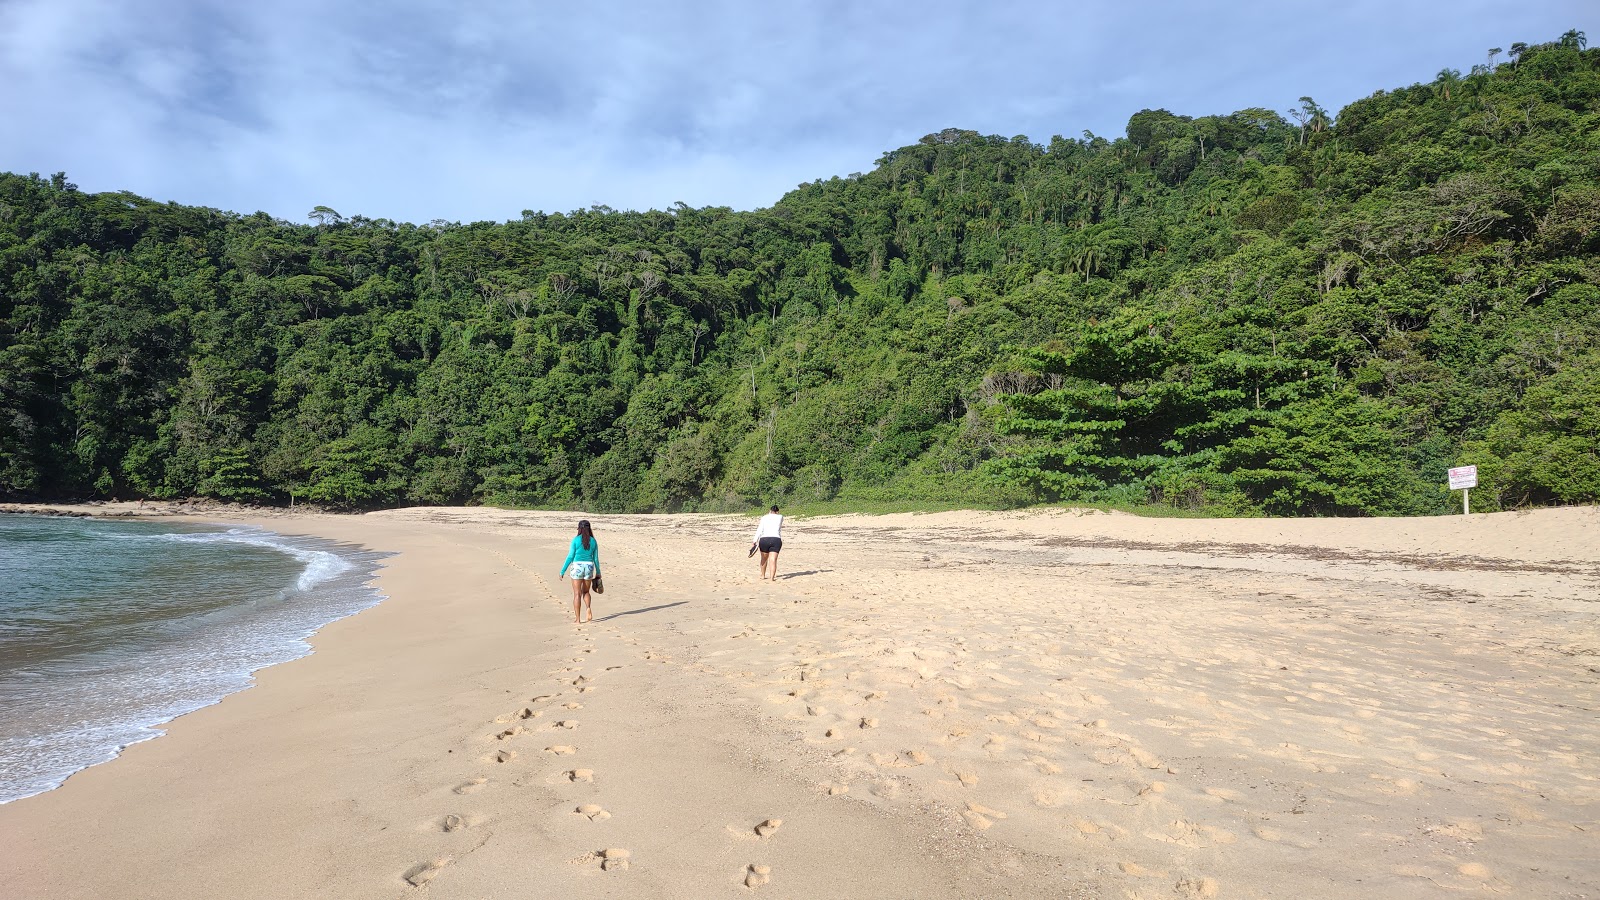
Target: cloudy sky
478	109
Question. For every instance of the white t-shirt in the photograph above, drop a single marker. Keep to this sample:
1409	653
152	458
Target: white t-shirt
771	526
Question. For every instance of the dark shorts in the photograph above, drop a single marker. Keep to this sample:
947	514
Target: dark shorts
770	545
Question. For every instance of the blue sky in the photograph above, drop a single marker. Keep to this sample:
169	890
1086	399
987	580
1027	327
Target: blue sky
470	111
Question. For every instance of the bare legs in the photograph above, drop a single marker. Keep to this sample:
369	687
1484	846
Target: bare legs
581	601
774	555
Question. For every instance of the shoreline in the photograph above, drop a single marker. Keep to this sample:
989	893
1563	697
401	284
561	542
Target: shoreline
1165	707
330	581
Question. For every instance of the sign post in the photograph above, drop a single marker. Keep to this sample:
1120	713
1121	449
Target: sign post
1464	479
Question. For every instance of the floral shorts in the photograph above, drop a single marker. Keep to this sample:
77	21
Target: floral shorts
581	571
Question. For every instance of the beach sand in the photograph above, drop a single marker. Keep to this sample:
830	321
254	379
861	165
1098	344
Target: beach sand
1032	704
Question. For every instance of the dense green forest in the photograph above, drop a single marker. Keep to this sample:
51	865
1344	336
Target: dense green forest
1247	313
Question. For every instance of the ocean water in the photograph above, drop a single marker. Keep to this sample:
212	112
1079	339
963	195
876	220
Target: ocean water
110	629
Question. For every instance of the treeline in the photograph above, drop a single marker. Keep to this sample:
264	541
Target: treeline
1246	312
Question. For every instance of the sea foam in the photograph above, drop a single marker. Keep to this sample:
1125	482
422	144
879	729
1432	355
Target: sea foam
171	621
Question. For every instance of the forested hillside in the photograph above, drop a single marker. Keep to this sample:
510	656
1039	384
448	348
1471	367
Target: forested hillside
1245	312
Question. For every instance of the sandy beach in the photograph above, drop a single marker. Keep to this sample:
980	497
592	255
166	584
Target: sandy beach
1048	703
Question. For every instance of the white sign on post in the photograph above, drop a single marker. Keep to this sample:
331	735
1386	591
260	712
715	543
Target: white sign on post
1464	479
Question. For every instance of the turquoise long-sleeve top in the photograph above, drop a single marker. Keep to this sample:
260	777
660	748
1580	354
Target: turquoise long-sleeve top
576	553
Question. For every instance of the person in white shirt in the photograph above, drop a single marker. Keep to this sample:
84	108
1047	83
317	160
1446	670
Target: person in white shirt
769	540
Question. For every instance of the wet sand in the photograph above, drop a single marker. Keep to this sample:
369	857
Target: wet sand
1033	704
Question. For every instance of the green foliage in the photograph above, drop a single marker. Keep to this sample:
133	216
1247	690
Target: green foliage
1336	455
230	476
1546	449
1237	313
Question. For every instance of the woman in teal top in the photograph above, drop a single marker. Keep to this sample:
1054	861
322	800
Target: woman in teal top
583	564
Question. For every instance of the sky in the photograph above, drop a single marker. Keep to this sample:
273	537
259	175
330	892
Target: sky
477	110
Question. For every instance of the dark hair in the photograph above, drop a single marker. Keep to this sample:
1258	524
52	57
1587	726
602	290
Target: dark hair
585	532
774	509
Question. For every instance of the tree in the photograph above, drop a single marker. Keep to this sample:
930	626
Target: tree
1546	449
1447	80
1309	116
1237	311
323	215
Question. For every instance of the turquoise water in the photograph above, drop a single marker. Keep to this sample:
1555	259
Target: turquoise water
110	629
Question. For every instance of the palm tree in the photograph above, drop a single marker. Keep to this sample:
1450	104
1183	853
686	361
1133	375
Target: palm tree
1088	260
1445	80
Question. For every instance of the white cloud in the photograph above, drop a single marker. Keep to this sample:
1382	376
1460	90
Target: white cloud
419	110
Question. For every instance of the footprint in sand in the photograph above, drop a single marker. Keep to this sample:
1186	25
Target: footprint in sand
529	713
981	817
566	723
613	859
1144	758
572	706
1197	888
755	876
769	827
1050	796
1190	834
470	786
593	812
509	733
504	756
423	873
583	775
1402	786
1274	836
561	750
965	774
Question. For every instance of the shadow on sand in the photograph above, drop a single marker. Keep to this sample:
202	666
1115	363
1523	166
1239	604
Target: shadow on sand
803	574
642	609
